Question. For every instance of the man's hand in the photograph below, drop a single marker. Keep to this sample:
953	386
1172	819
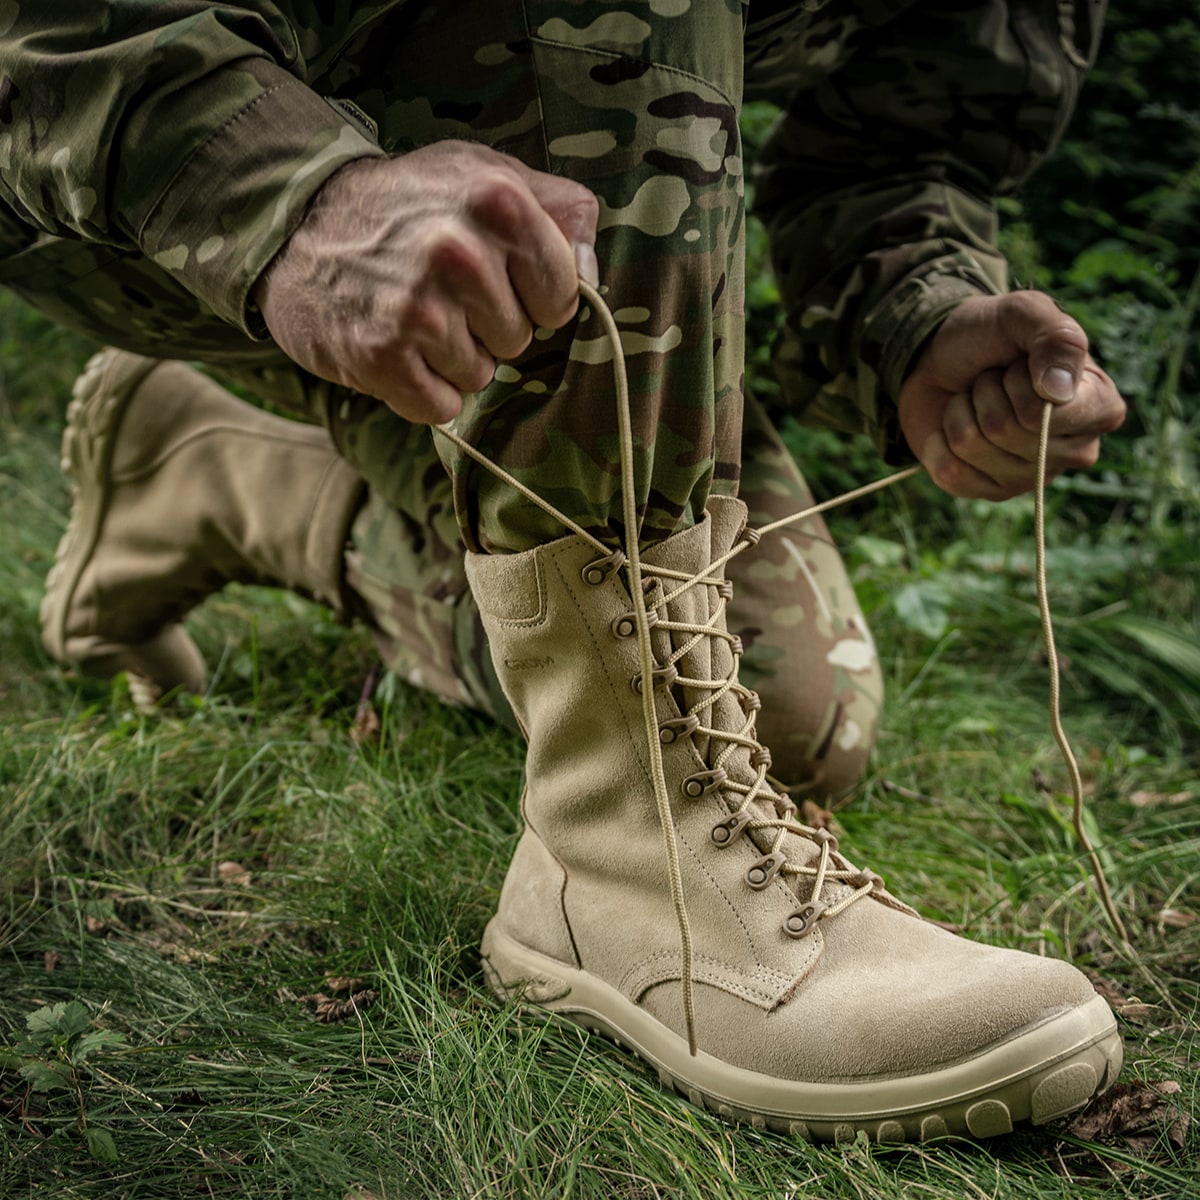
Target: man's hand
410	276
971	408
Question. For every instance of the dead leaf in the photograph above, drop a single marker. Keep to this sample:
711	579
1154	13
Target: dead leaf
1137	1114
50	958
328	1009
1128	1007
233	874
339	983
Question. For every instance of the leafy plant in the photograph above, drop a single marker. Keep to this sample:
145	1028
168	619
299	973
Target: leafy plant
55	1056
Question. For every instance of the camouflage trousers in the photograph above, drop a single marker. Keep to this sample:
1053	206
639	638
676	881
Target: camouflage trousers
644	111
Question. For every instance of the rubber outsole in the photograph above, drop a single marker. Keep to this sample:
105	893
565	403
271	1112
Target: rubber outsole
101	396
93	417
1037	1075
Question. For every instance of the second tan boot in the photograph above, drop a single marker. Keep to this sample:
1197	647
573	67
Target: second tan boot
179	488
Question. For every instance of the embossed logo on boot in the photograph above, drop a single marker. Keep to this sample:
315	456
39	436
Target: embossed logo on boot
528	664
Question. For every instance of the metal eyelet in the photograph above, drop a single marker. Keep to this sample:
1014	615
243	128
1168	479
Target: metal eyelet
760	874
677	728
661	677
725	833
804	920
703	783
600	569
625	626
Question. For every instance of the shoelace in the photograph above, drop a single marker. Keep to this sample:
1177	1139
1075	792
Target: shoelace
830	866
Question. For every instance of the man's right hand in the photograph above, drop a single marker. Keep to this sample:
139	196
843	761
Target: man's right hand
409	277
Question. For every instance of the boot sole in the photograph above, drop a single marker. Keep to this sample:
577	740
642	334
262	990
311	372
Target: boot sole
1040	1073
99	400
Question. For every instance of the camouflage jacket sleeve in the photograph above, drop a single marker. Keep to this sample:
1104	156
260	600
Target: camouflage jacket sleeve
181	129
900	127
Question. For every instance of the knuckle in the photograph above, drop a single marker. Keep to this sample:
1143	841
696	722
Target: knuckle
419	319
583	212
1115	420
995	426
952	475
451	255
477	374
512	340
498	201
1029	416
374	354
962	437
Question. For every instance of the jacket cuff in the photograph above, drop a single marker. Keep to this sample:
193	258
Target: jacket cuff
235	200
899	327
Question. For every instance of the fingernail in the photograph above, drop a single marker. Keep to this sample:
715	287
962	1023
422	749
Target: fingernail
1058	383
586	264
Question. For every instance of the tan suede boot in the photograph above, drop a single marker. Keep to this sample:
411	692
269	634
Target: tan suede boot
180	488
819	1004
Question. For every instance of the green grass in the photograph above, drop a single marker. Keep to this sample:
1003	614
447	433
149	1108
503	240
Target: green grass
190	878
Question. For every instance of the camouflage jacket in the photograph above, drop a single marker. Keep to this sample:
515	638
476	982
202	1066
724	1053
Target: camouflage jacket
197	131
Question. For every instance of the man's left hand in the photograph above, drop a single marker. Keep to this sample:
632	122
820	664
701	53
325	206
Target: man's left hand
971	408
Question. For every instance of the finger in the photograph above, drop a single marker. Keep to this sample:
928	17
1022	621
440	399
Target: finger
540	260
545	276
576	211
1056	346
461	361
957	476
967	440
417	393
469	275
428	326
1096	409
1001	401
476	284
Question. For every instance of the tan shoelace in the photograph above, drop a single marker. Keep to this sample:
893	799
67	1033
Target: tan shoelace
829	866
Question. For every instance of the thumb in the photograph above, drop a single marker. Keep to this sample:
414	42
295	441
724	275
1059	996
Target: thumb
1055	343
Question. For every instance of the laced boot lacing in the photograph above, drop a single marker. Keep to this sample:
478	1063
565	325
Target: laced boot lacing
758	799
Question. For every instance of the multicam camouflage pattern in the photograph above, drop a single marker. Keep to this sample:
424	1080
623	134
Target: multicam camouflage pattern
152	153
154	158
808	652
903	123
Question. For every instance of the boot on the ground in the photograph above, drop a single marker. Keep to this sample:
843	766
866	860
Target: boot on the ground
179	488
820	1005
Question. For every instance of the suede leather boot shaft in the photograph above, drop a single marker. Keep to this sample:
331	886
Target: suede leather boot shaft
180	488
821	1005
